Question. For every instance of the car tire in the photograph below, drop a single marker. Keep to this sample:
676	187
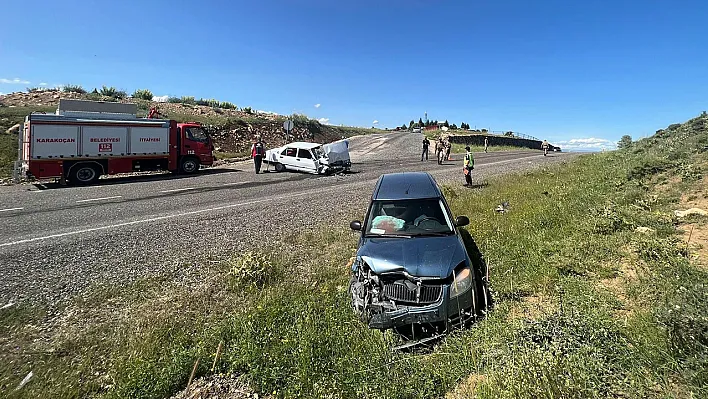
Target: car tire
189	165
279	167
84	174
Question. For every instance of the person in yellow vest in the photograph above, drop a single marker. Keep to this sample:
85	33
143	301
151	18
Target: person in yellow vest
468	166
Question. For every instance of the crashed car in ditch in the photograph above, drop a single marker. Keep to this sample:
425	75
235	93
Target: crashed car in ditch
310	157
415	271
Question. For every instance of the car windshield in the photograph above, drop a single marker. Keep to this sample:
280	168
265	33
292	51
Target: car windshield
196	134
419	217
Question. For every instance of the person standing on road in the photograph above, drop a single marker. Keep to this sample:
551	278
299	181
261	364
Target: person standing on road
486	143
468	166
439	148
426	144
448	148
257	153
544	145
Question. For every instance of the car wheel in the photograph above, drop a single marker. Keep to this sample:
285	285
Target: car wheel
189	165
279	167
84	174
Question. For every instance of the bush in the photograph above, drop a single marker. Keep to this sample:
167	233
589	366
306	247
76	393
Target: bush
143	94
248	110
227	105
251	269
74	89
108	91
188	100
174	100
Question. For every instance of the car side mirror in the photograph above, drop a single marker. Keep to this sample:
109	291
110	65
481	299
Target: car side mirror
355	225
462	221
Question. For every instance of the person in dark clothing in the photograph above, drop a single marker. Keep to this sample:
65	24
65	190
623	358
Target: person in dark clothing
257	153
426	144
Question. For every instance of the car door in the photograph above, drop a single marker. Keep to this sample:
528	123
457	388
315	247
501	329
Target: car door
306	161
288	158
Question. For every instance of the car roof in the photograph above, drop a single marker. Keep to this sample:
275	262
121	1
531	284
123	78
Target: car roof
302	144
406	185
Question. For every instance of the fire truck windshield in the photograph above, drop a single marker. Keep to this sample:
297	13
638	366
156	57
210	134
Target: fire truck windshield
196	133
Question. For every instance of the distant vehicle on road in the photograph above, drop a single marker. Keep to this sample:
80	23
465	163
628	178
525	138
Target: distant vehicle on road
412	272
87	139
311	157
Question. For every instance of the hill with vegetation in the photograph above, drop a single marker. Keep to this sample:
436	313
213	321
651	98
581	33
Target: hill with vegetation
233	128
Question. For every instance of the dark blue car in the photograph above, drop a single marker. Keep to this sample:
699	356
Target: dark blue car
415	270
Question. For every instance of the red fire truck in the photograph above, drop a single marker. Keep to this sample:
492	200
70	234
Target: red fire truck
87	139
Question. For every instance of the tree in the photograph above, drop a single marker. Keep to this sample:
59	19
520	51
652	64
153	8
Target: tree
625	141
420	122
446	124
404	126
453	127
410	126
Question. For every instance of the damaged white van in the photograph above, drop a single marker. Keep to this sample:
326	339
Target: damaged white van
311	157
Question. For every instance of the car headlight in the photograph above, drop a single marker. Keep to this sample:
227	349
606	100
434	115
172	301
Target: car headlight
462	282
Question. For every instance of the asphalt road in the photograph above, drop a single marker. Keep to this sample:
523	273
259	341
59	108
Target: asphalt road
57	241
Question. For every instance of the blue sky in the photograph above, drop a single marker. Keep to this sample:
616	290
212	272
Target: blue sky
561	70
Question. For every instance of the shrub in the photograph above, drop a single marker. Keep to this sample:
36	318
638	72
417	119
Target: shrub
143	94
108	91
250	268
74	89
248	110
188	100
174	100
227	105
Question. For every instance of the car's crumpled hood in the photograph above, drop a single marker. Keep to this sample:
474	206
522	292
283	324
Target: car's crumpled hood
420	256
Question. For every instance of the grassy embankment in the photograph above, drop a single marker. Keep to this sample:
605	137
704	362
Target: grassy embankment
586	305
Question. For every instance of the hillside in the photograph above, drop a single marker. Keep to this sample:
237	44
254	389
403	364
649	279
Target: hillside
232	129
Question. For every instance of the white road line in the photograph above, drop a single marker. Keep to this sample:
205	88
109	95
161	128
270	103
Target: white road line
237	183
177	189
155	219
99	199
11	209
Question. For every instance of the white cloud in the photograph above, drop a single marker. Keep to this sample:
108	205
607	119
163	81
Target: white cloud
160	99
317	105
586	144
42	84
324	121
2	94
16	81
375	122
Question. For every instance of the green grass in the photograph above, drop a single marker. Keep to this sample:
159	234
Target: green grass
9	142
586	306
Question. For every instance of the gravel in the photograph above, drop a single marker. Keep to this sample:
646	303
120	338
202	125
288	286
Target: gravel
254	211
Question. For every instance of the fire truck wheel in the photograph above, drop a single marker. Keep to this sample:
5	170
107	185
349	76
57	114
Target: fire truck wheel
84	174
189	165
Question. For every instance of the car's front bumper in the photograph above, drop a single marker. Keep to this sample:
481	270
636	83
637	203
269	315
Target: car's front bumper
445	311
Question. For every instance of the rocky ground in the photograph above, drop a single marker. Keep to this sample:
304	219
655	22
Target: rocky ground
233	130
